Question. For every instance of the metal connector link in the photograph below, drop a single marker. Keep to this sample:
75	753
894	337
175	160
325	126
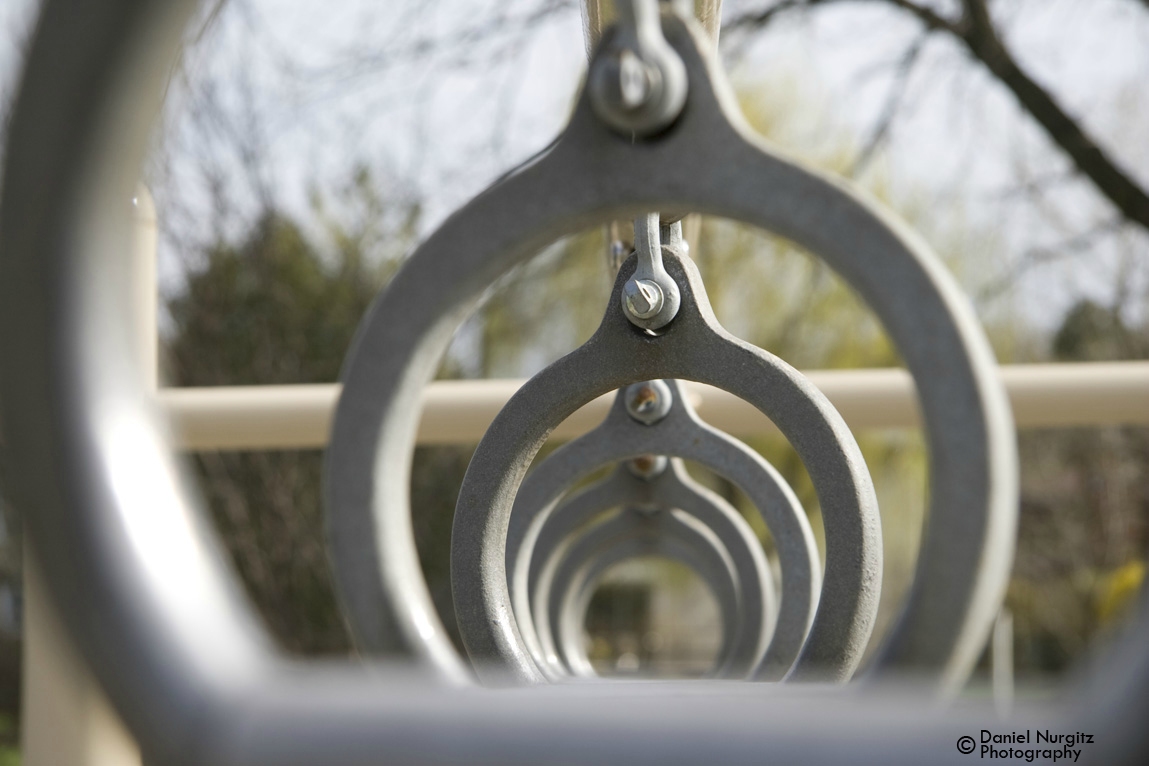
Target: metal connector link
637	82
650	298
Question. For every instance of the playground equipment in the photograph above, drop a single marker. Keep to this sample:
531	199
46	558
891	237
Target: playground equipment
138	579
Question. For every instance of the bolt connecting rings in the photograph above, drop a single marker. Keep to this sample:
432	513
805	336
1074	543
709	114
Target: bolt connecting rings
709	162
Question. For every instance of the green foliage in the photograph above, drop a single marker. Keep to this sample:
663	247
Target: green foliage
268	312
9	740
545	308
277	308
1091	332
1084	527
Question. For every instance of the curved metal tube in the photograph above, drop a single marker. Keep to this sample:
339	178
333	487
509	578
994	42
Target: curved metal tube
673	488
683	434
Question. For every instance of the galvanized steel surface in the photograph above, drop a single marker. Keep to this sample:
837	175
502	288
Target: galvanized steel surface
681	434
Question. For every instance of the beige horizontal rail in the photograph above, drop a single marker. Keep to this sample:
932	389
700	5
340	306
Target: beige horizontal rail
458	412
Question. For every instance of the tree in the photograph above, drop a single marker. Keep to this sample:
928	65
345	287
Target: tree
277	309
975	29
1084	527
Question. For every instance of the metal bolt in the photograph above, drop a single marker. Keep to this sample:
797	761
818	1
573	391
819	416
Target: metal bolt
648	402
642	298
635	80
648	466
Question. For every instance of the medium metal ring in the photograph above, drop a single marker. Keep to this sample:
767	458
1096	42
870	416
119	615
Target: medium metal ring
534	528
693	347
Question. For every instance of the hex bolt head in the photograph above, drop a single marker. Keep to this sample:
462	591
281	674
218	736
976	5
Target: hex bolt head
648	402
648	466
642	298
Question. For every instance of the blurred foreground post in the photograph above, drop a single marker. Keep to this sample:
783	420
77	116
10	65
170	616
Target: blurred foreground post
66	719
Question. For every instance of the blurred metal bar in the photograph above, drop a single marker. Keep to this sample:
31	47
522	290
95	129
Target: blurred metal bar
66	717
598	14
458	412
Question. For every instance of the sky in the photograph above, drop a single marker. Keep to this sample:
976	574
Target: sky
440	130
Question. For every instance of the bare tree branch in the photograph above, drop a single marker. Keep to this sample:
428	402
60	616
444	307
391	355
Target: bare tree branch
504	31
983	42
893	104
1041	256
759	19
976	31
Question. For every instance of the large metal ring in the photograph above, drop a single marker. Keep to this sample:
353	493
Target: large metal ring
672	489
711	163
629	534
534	529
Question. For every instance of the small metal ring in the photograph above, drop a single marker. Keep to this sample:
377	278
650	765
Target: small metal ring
671	489
629	533
682	434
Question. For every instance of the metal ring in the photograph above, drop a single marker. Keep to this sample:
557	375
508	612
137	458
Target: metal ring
692	347
711	163
683	434
534	529
672	489
629	533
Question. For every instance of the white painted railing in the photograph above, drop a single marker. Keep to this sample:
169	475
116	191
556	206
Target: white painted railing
458	412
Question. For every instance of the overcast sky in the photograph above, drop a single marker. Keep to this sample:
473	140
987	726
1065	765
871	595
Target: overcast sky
444	131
